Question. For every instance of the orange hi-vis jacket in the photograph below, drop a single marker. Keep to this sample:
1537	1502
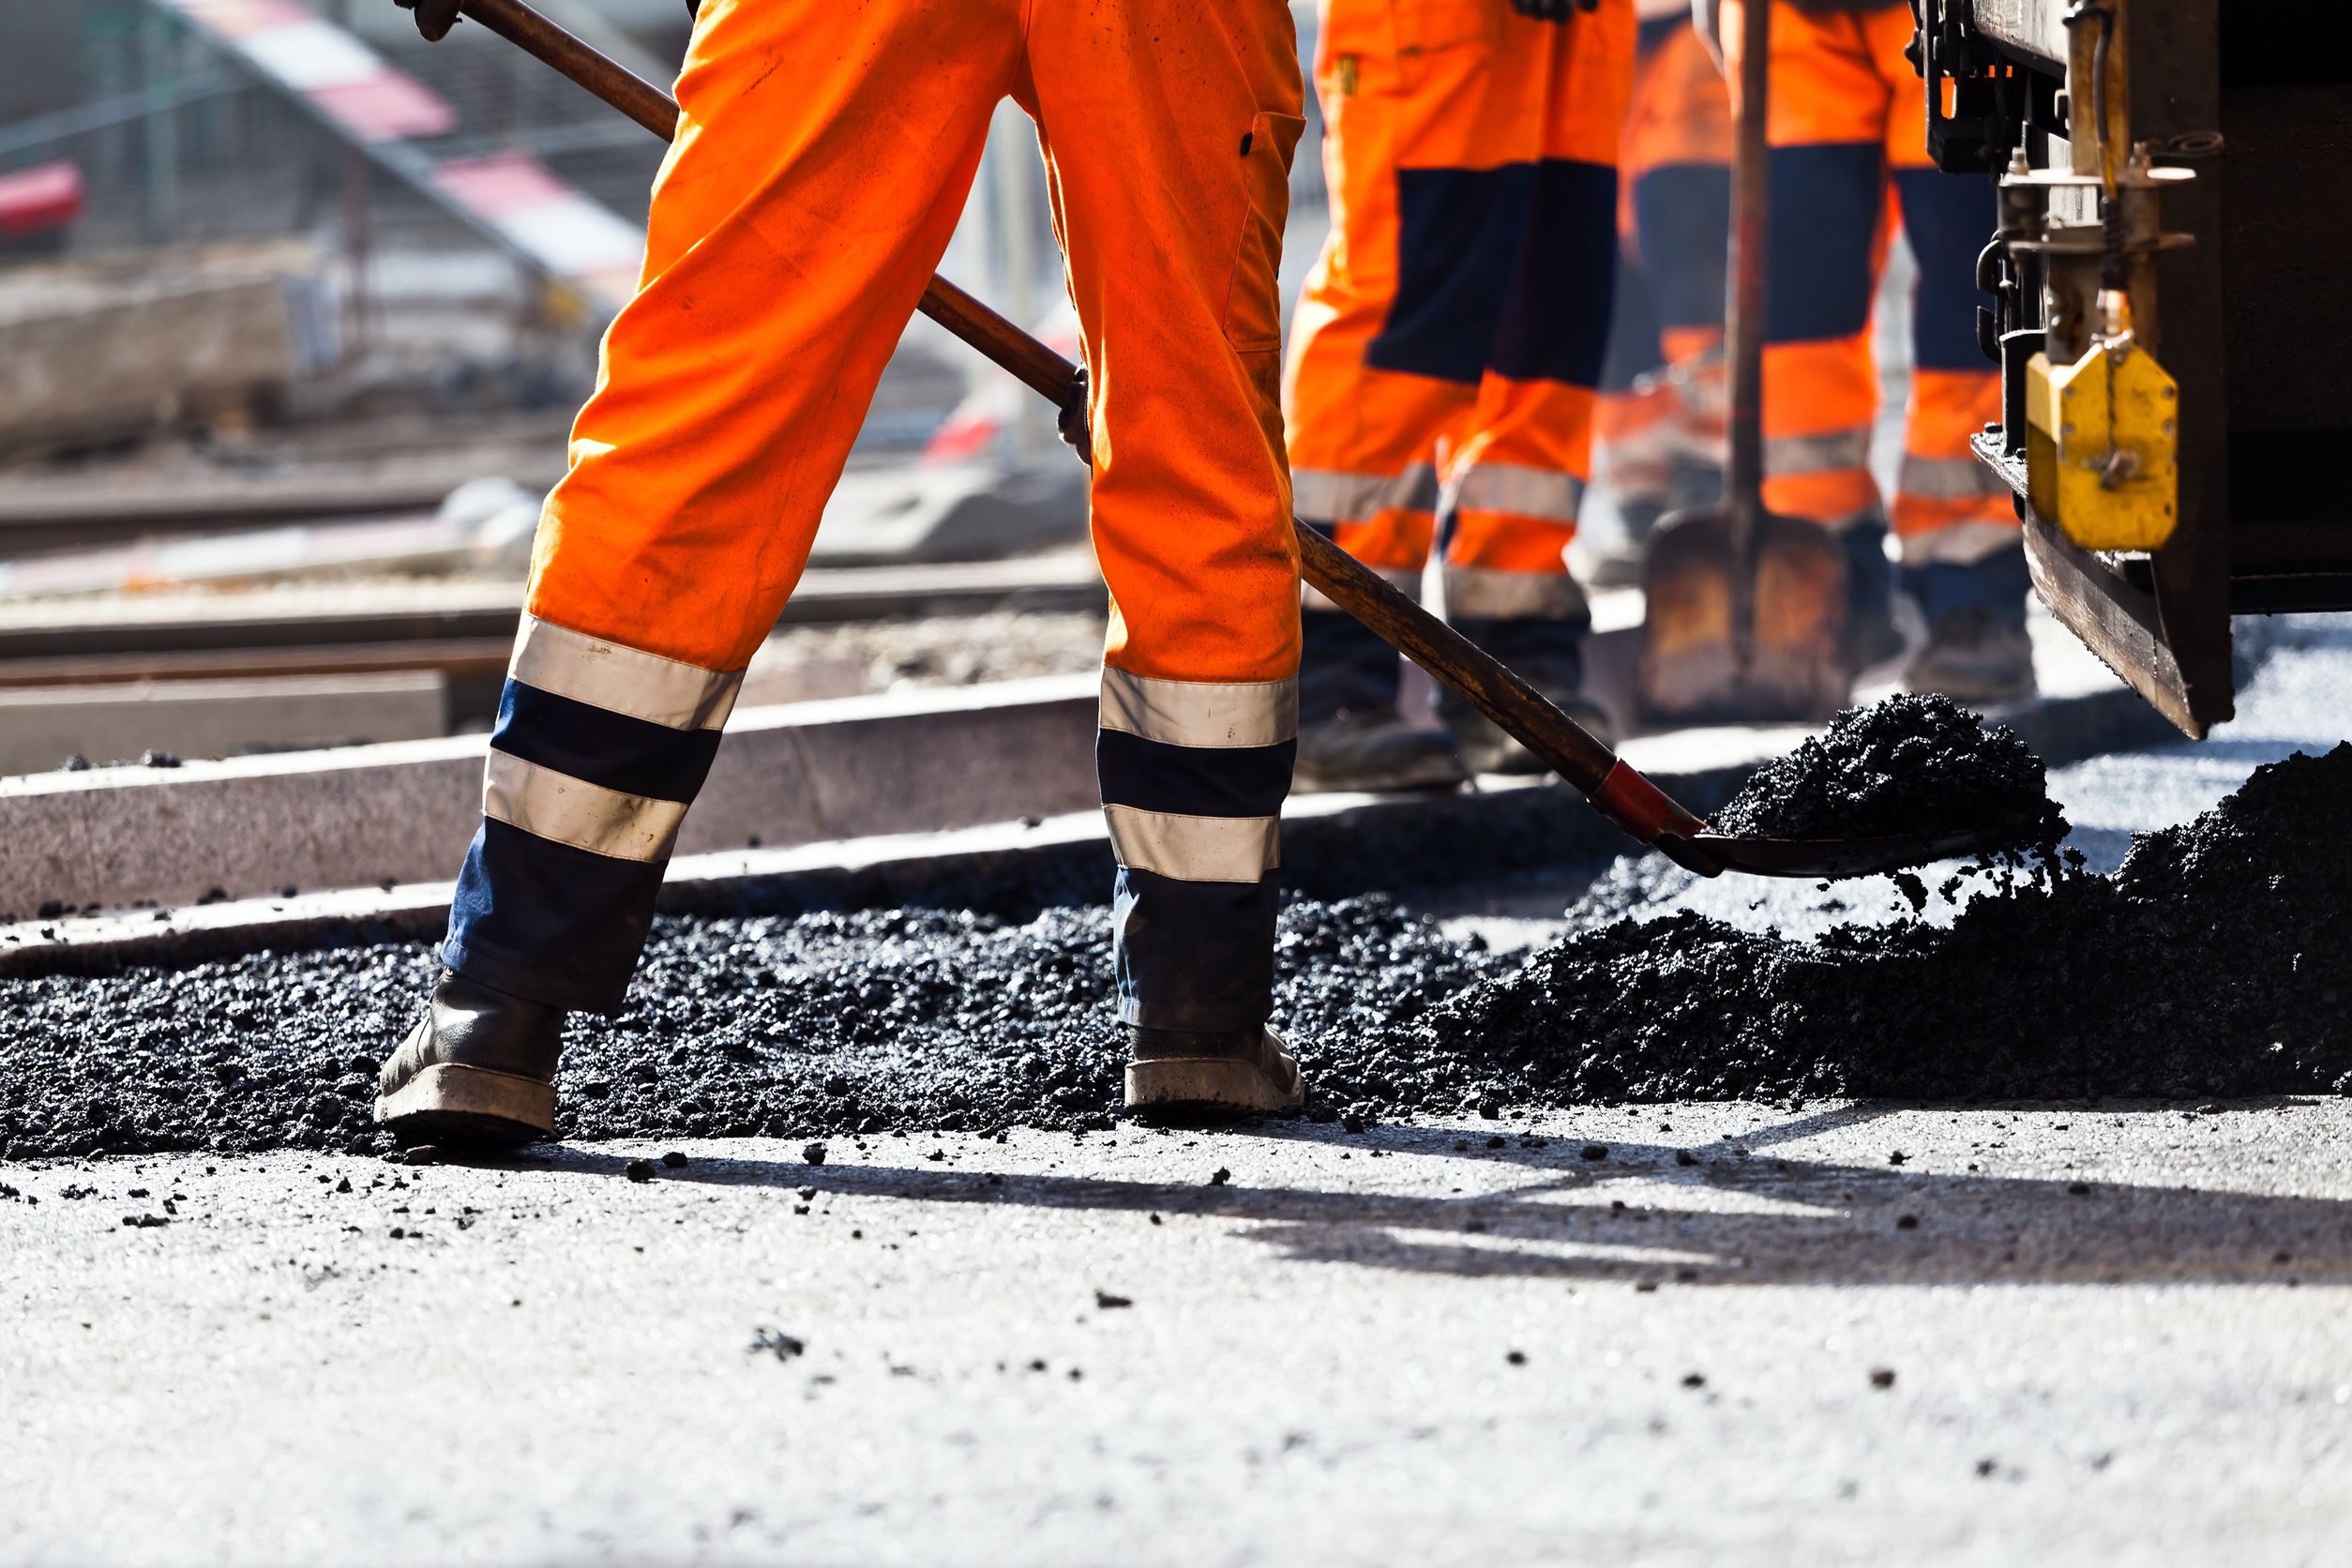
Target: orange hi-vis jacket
1847	121
1446	347
824	155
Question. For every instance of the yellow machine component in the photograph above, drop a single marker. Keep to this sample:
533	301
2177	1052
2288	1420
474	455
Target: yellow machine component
2103	441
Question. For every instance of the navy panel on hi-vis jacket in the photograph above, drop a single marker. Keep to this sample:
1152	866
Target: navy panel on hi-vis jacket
1505	269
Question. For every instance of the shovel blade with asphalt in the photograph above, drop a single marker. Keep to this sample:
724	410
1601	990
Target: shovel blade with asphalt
1614	787
1745	616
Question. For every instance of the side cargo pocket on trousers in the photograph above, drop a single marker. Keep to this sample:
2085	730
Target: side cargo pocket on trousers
1253	298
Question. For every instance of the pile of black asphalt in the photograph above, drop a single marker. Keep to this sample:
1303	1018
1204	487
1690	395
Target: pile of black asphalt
1906	765
2213	963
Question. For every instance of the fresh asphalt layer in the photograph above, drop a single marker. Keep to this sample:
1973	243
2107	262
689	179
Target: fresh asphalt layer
2100	1333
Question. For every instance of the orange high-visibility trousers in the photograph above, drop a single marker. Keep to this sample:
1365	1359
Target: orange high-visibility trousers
1848	120
1448	341
823	156
1663	392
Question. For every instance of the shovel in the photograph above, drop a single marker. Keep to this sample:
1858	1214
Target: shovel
1745	609
1616	790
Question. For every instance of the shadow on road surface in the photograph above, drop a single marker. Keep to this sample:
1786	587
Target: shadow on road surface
1727	1212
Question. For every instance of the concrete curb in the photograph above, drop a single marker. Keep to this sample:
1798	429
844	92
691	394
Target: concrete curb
1013	866
403	812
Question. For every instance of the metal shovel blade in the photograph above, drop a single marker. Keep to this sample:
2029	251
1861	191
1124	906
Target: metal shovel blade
1691	670
1829	859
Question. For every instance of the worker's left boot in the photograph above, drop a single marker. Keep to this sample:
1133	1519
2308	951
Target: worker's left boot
477	1070
1249	1071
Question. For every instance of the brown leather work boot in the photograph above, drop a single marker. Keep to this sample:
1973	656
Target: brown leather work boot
477	1070
1250	1072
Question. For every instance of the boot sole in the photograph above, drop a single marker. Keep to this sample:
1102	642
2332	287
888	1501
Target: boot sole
450	1103
1207	1083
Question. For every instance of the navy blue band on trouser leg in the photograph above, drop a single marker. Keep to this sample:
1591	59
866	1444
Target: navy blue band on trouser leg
1822	242
2000	582
1947	220
1194	904
551	920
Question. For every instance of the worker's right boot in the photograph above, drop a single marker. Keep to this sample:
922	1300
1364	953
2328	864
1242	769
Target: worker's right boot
1249	1071
478	1070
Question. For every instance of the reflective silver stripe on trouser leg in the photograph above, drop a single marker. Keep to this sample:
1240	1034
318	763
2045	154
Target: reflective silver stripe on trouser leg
1958	544
554	806
1194	848
1788	455
598	747
622	680
1485	594
1546	494
1211	714
1333	496
1947	479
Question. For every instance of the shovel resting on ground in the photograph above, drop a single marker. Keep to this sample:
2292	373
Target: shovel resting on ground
1616	791
1745	609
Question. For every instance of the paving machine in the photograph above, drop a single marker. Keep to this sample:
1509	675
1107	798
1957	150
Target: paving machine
2171	309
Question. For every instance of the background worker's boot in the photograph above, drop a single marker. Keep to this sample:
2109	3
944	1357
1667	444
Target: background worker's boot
1550	655
1486	748
1375	751
1978	656
1977	649
1350	735
478	1069
1871	636
1250	1072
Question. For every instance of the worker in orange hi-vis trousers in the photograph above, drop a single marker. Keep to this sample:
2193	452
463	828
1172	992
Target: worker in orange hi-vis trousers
1446	347
823	154
1658	433
1848	123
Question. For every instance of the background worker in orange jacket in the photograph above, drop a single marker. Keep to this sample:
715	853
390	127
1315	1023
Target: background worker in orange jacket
823	154
1847	125
1664	386
1446	348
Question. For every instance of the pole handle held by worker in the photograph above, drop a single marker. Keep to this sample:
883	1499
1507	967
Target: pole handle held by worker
1751	215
